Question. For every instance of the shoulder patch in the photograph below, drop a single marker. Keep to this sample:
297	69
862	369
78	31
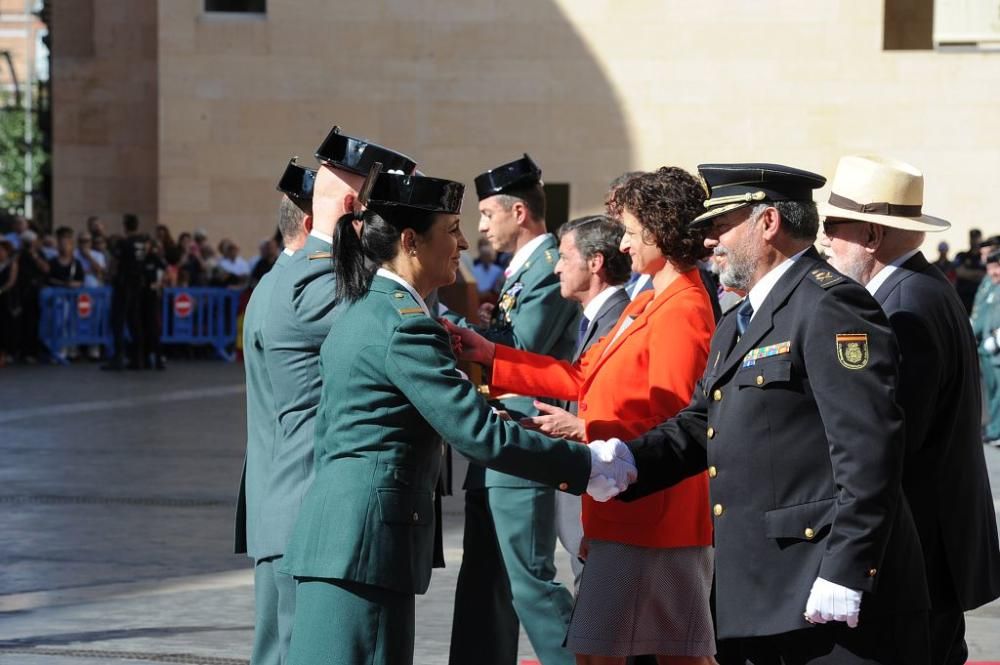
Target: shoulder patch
826	278
320	256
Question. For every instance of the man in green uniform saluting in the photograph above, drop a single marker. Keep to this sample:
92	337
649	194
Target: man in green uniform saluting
274	593
508	569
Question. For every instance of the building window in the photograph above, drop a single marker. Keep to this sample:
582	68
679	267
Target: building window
908	25
237	6
556	205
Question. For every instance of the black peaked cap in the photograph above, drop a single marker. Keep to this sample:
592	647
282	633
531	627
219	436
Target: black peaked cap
514	175
392	190
297	183
357	155
734	186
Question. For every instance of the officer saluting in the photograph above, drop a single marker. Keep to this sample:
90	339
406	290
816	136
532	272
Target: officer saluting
510	523
295	322
274	593
817	557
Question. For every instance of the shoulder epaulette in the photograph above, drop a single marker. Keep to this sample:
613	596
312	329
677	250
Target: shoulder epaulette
826	278
320	255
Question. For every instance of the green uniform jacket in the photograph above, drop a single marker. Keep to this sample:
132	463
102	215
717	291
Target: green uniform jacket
986	314
533	316
261	419
391	391
297	322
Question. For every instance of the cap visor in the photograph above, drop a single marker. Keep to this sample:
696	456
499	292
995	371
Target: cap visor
705	218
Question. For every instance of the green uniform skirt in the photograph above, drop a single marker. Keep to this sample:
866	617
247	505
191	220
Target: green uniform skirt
342	622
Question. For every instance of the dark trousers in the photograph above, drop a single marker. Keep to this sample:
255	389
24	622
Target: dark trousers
126	309
484	625
948	638
900	639
150	306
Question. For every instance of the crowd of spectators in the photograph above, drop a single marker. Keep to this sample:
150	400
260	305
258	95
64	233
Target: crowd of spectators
32	259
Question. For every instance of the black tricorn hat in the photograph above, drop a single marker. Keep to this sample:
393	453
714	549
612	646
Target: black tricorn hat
357	155
384	191
734	186
514	175
992	241
297	183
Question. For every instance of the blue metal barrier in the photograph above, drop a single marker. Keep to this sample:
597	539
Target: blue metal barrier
74	316
201	315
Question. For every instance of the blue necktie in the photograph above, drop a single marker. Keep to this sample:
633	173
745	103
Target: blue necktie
743	314
582	332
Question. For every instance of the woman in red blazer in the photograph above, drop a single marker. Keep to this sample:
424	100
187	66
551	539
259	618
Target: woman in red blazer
645	587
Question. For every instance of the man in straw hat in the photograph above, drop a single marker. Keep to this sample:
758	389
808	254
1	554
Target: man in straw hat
874	226
816	555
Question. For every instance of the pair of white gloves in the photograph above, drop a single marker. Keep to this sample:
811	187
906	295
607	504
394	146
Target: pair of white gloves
612	470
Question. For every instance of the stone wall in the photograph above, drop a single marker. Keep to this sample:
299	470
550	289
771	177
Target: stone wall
590	88
104	111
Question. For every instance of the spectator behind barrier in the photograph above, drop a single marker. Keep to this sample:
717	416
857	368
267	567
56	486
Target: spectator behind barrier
64	268
10	308
32	271
93	261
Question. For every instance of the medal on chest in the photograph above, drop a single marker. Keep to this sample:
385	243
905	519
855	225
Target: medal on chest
508	301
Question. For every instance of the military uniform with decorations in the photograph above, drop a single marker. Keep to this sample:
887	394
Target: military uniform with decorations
363	543
509	521
274	593
796	422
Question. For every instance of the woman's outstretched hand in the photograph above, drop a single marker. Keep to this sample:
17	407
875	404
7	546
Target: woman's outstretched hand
470	345
555	422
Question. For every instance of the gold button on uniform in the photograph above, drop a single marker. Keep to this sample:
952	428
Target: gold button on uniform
717	395
760	379
416	517
718	509
872	572
564	486
810	534
711	432
712	472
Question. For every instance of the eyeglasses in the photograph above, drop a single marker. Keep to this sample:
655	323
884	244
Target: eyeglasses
830	223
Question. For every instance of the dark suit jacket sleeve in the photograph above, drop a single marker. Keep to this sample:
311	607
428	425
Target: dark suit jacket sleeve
864	431
919	369
420	363
671	451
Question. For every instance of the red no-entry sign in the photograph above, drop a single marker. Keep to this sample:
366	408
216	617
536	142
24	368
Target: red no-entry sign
183	305
84	305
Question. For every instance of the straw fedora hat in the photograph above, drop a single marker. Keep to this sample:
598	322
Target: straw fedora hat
882	191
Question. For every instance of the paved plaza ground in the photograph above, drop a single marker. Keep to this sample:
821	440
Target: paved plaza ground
116	522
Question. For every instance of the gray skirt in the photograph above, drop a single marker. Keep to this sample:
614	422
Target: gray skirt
643	600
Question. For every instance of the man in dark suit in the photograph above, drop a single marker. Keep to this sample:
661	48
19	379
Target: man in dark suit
592	271
945	477
817	558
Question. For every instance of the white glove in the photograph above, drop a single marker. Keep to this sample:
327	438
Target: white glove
612	469
990	344
832	602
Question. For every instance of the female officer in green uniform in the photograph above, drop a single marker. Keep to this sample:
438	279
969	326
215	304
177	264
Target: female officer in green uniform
363	543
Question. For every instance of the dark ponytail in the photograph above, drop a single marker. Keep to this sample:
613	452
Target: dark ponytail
352	272
355	259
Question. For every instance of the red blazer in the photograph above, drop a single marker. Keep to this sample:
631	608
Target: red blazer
624	388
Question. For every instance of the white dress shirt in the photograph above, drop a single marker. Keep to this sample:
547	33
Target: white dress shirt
884	274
